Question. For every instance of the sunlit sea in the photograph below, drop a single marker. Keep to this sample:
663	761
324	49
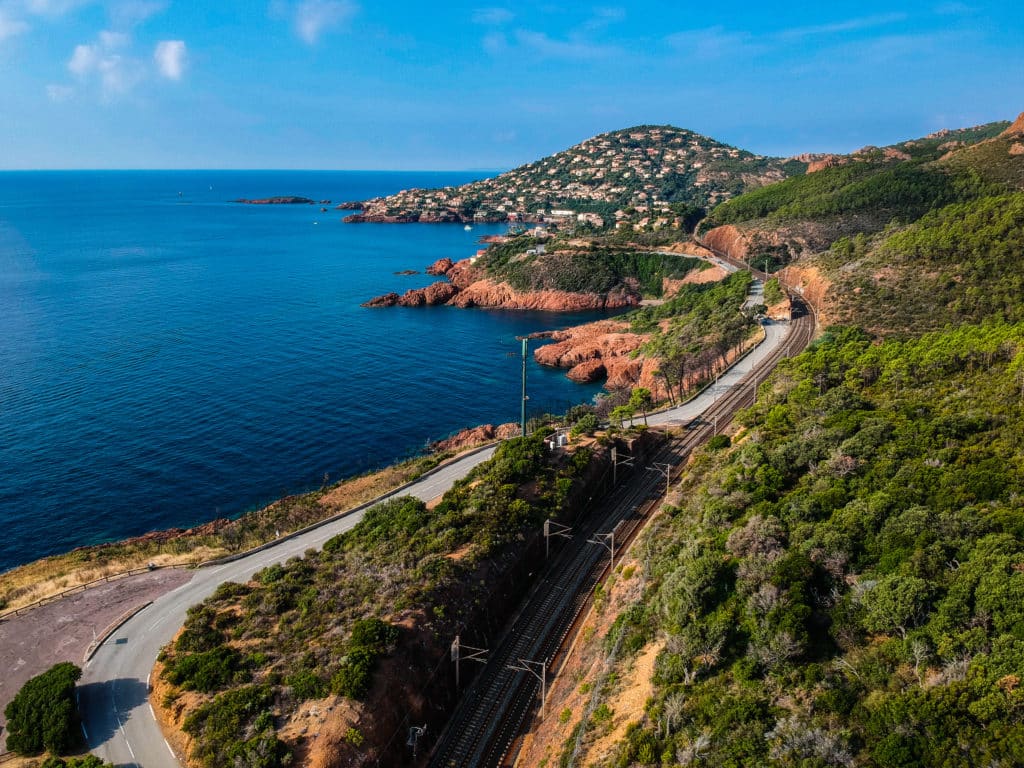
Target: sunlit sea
168	356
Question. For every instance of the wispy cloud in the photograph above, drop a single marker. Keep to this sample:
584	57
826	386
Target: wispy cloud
838	27
10	26
492	17
170	57
714	43
54	8
131	13
59	93
718	42
543	45
955	9
311	18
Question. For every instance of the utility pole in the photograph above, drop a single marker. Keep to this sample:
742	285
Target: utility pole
475	654
526	665
606	540
626	462
522	412
551	528
666	470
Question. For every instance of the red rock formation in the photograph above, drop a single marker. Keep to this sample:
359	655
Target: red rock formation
891	153
473	436
821	162
440	267
488	293
587	372
387	300
729	240
467	287
1017	128
439	293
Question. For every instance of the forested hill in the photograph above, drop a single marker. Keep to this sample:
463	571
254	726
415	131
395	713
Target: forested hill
845	586
842	583
646	169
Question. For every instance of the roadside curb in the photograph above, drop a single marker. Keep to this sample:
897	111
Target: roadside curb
118	623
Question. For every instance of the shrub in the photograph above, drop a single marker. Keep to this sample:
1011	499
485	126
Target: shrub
43	714
207	671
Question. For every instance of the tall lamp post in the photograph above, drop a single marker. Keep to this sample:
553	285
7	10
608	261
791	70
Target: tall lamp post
522	410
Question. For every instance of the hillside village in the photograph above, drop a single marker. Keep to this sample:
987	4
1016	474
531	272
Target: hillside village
645	176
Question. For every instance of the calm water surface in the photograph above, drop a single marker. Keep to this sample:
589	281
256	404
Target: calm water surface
167	356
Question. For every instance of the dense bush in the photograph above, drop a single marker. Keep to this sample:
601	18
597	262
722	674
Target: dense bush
236	728
86	761
43	715
207	671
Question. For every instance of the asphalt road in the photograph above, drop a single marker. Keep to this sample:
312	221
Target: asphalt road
119	723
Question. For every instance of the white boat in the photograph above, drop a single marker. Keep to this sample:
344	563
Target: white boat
468	228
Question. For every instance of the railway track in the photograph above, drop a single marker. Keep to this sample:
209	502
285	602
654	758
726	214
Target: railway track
491	714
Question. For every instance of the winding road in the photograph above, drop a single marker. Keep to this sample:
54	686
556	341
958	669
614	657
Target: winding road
119	724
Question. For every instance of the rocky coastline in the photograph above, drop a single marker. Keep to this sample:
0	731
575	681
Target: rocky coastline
466	286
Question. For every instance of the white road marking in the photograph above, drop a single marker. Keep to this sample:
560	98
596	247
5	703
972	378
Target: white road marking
169	749
85	733
130	750
152	712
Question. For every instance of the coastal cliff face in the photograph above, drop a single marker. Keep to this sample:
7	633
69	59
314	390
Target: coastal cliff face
466	287
605	349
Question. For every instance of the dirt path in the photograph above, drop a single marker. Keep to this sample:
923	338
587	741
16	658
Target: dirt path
61	631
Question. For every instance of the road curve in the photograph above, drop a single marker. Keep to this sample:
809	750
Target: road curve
118	722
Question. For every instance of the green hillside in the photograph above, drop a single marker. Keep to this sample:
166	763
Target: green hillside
846	586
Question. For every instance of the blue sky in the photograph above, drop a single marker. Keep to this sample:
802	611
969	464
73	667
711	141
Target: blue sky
402	85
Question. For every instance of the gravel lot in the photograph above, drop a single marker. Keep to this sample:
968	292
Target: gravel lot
62	631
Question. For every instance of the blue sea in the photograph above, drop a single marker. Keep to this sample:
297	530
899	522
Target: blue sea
168	356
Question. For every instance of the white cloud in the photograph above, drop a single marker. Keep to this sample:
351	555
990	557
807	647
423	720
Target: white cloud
117	75
59	93
11	27
170	57
84	59
111	40
313	17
